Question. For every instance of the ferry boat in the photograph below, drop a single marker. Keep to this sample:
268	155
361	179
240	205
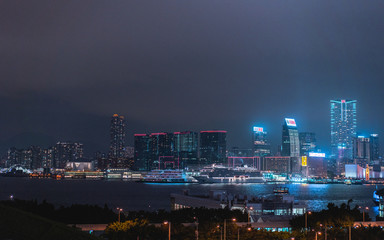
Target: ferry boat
166	176
221	174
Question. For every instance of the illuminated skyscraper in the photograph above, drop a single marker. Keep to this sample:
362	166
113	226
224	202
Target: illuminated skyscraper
186	147
374	147
142	155
307	143
361	151
290	139
343	128
117	133
213	147
261	146
162	150
291	144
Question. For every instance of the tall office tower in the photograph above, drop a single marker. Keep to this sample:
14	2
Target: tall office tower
64	152
213	147
162	150
361	151
374	147
186	148
142	155
290	139
261	146
343	128
307	143
117	132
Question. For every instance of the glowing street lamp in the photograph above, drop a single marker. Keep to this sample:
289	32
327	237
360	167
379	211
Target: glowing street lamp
169	229
225	227
120	210
306	220
366	208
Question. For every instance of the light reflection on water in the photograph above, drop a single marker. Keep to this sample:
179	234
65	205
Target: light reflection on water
136	196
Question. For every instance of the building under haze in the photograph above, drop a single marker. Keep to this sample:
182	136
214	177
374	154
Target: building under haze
213	146
117	135
307	143
361	151
186	147
343	128
162	151
290	139
261	146
374	147
64	152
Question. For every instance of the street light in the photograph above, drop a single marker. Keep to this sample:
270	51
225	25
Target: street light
197	227
221	232
316	235
366	208
169	229
120	210
225	227
306	220
249	213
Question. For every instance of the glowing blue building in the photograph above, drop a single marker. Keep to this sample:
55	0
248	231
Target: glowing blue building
290	139
343	128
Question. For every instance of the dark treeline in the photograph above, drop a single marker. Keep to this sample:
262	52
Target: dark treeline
79	213
75	213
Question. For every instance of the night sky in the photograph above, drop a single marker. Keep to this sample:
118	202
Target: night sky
67	66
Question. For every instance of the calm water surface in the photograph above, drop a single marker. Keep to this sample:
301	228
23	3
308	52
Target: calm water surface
140	196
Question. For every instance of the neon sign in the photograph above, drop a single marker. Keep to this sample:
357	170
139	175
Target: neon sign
258	129
316	154
290	122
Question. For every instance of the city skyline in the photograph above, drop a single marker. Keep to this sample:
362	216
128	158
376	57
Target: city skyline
175	76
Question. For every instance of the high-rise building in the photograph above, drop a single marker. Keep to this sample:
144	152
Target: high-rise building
64	152
361	151
117	133
47	158
36	157
290	139
213	147
186	147
29	158
307	143
261	146
374	147
142	157
162	150
343	128
13	157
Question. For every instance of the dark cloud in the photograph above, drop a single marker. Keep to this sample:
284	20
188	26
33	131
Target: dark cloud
66	66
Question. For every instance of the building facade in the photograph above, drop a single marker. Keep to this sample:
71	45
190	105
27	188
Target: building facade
343	128
186	147
374	147
361	151
213	147
307	143
64	152
117	137
142	155
261	146
290	139
162	150
278	164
